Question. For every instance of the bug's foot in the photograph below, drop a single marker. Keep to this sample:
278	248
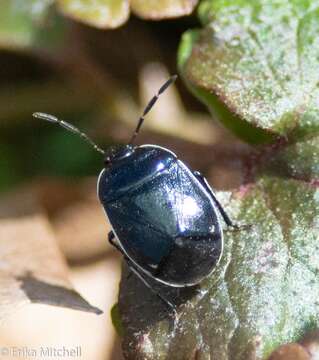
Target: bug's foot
175	312
237	227
129	274
174	315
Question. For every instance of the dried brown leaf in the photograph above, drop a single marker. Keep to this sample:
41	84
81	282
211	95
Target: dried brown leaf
32	268
37	326
311	343
292	351
77	218
82	230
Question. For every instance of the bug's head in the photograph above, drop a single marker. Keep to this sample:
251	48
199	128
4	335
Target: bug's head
117	152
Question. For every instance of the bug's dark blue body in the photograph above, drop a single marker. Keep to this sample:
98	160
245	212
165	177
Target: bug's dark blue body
164	219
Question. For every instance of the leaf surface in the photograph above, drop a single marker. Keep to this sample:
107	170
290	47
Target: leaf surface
255	300
160	9
101	13
255	65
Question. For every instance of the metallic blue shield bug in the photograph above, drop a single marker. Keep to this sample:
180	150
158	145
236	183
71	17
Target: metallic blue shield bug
164	216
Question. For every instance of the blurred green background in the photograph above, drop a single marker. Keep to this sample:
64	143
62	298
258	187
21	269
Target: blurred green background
87	76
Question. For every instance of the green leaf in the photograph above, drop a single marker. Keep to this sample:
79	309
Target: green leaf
23	21
299	160
256	63
161	9
98	13
113	13
264	292
26	23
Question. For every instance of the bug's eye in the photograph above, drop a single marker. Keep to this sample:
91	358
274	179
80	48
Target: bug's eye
107	161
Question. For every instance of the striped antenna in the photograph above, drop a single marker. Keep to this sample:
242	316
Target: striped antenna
69	127
150	105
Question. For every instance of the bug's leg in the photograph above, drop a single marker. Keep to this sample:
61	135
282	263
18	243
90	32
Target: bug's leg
112	240
170	305
129	275
223	213
203	180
